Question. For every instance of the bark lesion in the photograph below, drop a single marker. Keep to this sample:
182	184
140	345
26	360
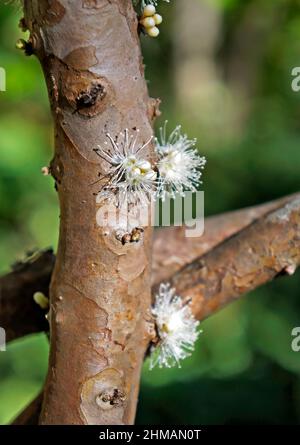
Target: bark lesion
92	4
80	90
88	98
47	12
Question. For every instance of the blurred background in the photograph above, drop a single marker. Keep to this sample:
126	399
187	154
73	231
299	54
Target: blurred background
223	69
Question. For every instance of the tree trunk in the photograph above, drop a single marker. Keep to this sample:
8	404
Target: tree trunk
100	289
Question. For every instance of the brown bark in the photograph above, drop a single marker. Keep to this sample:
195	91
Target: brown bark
19	314
255	255
267	248
100	291
171	251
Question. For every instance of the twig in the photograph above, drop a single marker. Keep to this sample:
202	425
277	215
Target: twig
19	314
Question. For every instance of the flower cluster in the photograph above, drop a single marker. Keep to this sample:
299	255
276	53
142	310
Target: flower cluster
177	329
132	179
150	20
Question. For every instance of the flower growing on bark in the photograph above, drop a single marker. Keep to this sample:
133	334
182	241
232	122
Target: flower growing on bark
176	327
150	19
131	179
179	164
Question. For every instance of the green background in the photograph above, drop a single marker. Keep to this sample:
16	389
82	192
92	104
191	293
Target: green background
238	101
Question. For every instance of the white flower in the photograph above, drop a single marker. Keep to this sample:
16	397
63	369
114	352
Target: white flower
176	326
131	179
179	164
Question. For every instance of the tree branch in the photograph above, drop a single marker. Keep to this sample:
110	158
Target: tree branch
172	250
254	256
19	314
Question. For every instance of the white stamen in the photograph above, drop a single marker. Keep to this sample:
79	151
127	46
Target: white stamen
131	178
179	164
176	327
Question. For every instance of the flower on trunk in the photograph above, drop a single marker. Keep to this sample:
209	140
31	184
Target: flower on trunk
131	179
177	329
150	19
179	163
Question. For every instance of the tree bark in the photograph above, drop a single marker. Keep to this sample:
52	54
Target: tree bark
261	251
100	290
267	248
100	293
172	250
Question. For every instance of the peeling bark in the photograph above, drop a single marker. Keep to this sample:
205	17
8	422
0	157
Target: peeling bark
172	250
100	289
267	248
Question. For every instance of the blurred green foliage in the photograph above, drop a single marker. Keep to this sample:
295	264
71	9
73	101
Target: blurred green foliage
243	370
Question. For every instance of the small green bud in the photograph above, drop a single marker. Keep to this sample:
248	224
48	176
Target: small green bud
41	300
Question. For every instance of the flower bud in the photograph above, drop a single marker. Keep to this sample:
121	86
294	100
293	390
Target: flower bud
148	22
157	19
153	32
149	11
